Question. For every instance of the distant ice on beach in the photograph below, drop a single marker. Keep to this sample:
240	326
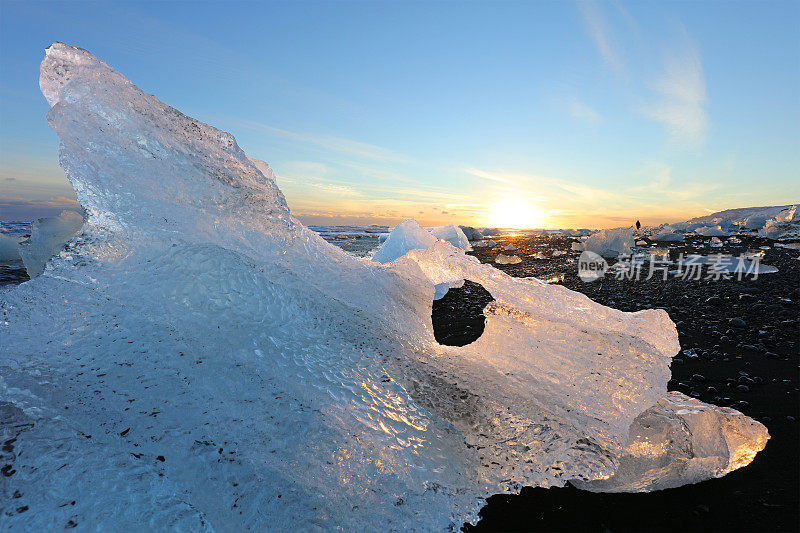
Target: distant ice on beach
9	248
361	241
610	242
198	359
48	236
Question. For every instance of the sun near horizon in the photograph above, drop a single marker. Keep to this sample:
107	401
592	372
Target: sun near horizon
522	115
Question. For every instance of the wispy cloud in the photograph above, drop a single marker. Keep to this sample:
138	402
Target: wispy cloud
659	176
681	95
488	175
582	111
329	142
676	96
541	187
603	39
684	194
338	190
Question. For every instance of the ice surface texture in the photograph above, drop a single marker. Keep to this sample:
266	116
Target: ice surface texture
200	360
683	440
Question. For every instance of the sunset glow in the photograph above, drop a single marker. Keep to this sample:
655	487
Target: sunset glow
516	213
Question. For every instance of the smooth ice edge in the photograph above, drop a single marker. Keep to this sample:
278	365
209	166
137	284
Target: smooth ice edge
682	440
406	236
48	237
9	248
283	382
452	234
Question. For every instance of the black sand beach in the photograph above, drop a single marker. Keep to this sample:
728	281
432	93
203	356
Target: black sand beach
739	342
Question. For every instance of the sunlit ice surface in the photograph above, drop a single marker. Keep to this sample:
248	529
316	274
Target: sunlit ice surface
198	359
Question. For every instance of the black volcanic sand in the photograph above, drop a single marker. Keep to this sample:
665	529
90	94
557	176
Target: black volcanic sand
739	342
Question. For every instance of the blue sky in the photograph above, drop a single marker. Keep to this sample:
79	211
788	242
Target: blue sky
554	114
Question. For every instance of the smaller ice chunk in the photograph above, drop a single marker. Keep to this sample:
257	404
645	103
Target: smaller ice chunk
611	242
681	440
711	231
503	259
754	222
715	242
539	255
452	234
578	246
791	214
785	225
48	237
9	248
406	236
473	234
485	244
668	237
510	248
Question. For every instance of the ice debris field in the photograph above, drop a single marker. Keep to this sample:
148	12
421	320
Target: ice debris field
196	358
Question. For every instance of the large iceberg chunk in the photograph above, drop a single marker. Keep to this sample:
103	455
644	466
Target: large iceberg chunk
232	370
610	242
48	237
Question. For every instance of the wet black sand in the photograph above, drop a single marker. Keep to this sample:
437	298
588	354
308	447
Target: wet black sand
750	364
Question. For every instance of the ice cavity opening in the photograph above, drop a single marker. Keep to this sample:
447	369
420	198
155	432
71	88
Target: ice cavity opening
458	317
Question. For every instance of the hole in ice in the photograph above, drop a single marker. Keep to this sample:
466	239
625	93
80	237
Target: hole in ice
458	317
